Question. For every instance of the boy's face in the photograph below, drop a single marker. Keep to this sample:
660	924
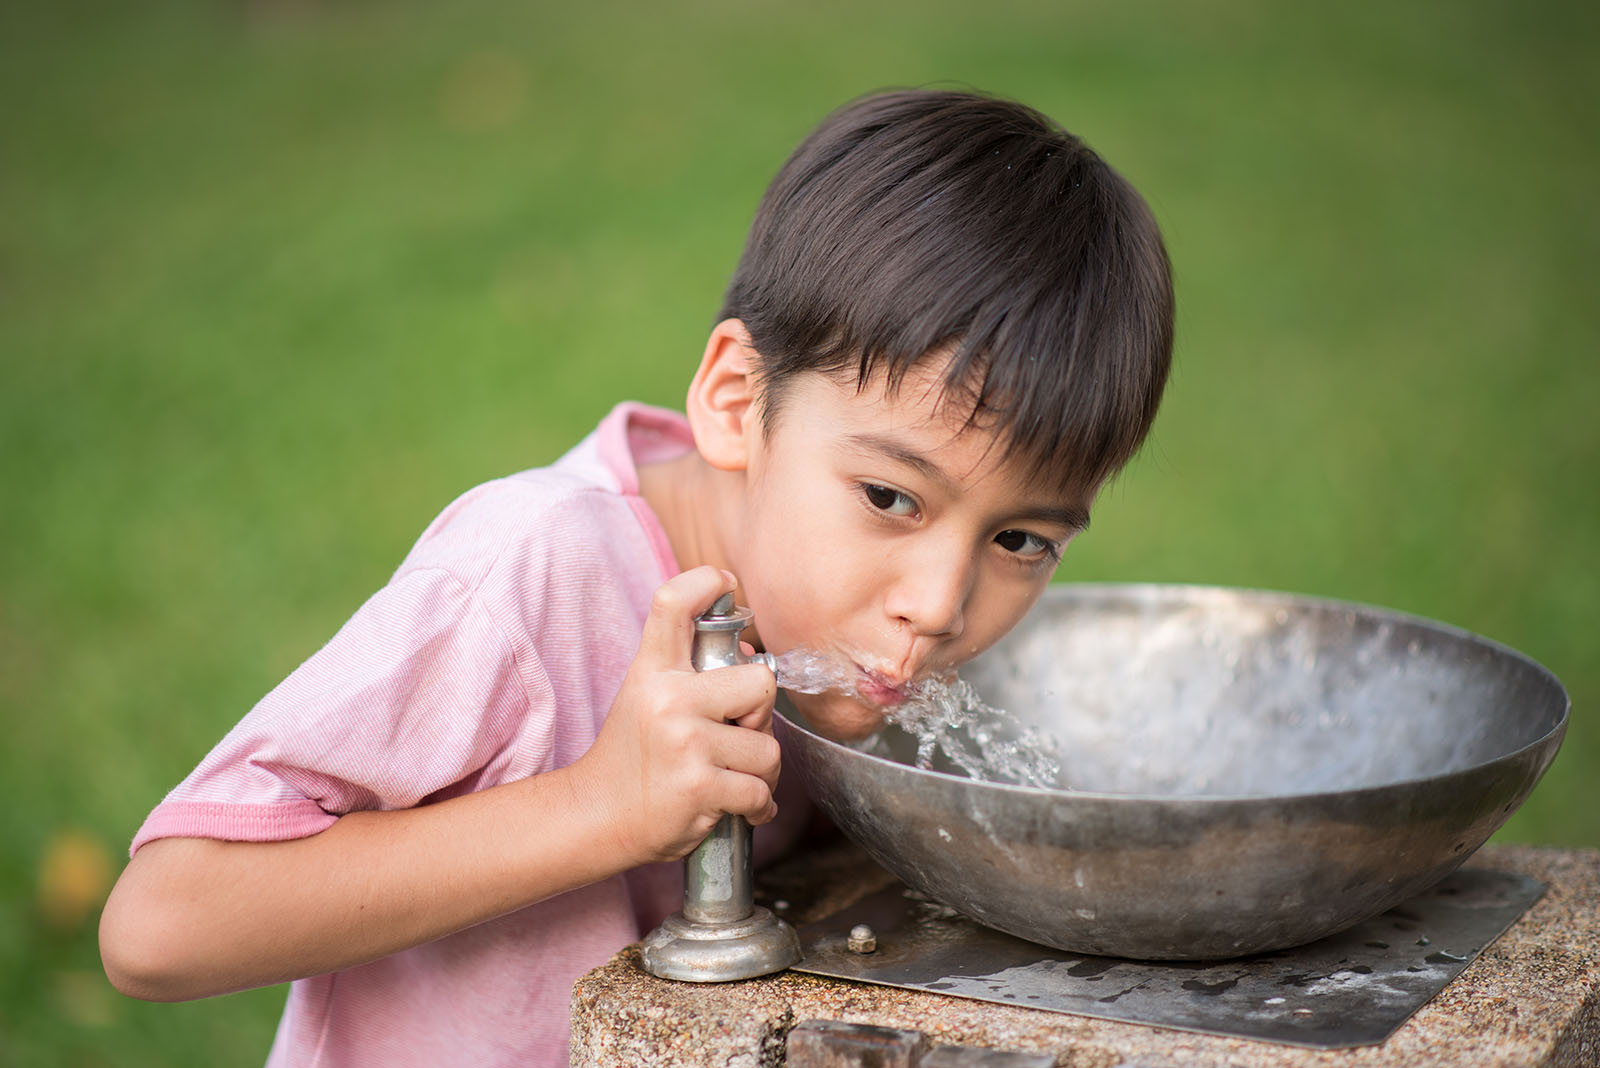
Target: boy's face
879	531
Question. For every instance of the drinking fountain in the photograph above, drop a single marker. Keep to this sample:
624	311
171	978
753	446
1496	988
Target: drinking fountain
721	934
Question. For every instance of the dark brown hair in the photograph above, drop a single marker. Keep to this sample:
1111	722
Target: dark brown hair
919	221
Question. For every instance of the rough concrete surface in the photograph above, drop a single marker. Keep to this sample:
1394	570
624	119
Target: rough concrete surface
1531	999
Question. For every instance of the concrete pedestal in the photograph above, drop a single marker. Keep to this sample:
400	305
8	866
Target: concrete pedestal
1531	999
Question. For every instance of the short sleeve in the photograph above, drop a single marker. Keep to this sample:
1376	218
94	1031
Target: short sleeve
417	698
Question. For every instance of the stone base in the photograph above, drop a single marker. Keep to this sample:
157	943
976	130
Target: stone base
1531	999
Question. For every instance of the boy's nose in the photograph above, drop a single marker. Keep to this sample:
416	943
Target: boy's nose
929	594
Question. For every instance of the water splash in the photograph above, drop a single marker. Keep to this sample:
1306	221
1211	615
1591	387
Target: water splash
945	717
988	743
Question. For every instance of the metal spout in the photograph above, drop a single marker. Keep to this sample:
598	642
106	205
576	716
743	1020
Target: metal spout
721	934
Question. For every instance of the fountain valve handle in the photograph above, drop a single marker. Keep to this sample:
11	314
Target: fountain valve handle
721	934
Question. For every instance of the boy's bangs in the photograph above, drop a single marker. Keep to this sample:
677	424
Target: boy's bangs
911	225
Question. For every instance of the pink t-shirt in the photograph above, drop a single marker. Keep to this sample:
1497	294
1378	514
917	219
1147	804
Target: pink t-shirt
493	654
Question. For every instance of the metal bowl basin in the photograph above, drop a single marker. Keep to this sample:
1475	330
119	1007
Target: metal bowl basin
1242	771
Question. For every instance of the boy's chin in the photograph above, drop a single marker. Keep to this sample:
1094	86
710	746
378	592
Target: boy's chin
837	717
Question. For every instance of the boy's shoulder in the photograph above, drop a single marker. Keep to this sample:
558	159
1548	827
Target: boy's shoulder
580	517
538	520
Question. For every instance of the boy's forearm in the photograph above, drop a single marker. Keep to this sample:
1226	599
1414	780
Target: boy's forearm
196	917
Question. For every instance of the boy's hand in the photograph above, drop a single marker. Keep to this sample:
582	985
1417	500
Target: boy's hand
668	762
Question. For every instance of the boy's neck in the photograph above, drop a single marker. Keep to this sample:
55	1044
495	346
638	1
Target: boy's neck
689	498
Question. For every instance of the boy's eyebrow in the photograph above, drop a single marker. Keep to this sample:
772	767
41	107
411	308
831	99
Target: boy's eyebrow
1072	517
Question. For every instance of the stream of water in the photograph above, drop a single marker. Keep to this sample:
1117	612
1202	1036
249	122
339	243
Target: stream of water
945	718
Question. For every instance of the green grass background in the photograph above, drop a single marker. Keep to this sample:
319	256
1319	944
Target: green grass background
277	280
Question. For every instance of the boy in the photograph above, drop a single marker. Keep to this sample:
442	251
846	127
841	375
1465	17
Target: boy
950	326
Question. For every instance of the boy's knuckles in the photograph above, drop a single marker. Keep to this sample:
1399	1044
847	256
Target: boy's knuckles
667	602
708	785
693	748
771	758
689	592
668	696
753	797
659	707
758	719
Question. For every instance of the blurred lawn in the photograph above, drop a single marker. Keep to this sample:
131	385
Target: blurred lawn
277	280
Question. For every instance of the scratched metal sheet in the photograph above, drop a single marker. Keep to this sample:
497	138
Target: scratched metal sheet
1352	989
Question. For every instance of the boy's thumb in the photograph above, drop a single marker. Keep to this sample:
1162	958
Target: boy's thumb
669	628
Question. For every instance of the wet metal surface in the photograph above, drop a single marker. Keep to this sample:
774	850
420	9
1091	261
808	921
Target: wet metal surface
1242	771
1351	989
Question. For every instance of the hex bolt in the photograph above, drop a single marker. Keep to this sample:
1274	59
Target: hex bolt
862	939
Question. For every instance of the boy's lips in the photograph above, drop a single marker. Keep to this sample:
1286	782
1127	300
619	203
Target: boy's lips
880	690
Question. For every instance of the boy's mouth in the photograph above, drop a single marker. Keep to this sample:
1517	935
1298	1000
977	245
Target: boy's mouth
881	690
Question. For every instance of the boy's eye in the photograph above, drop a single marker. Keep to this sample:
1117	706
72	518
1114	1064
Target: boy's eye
889	500
1023	543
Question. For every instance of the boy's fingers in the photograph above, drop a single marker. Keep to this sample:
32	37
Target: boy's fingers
769	814
669	628
745	795
742	694
748	752
760	720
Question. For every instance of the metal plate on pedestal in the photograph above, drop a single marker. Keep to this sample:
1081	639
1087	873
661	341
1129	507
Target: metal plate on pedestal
1351	989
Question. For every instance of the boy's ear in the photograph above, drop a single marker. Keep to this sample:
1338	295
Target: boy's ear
722	407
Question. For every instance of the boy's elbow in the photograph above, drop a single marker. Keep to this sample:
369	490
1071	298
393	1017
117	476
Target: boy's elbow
145	945
137	959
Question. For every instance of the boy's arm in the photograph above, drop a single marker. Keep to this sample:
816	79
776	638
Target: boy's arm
194	917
